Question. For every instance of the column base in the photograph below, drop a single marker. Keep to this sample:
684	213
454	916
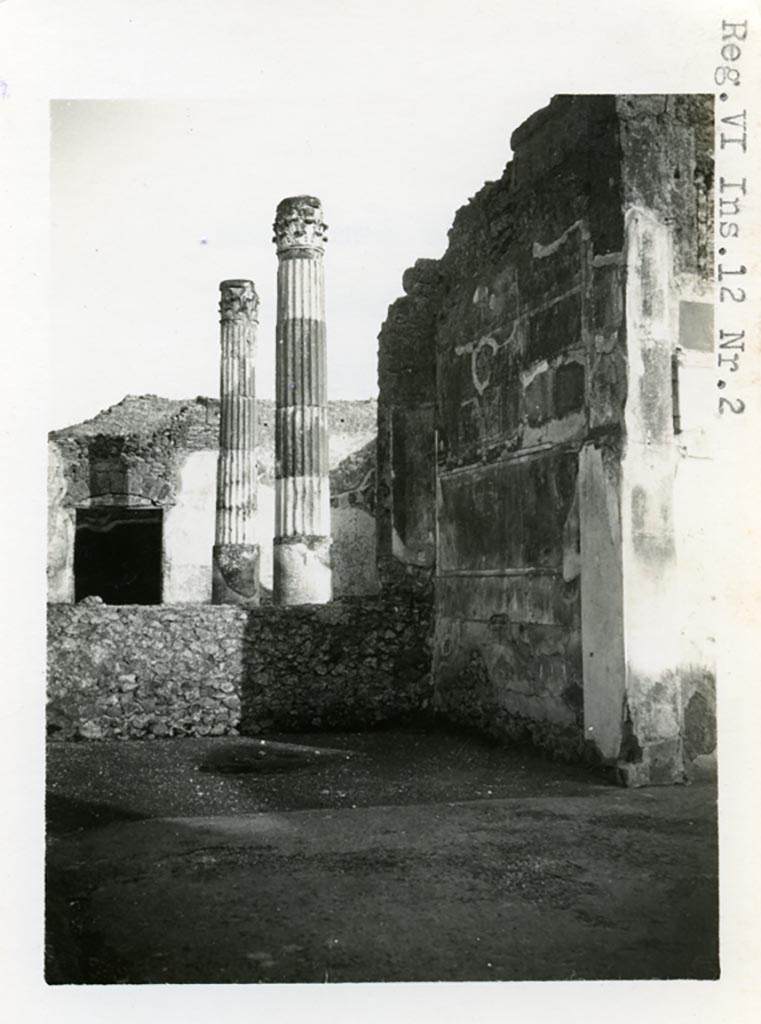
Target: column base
235	574
301	570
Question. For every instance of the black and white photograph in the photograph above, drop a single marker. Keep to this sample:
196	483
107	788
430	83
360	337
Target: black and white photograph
382	567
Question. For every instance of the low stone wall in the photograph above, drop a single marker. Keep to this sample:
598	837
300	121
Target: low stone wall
137	671
150	671
349	664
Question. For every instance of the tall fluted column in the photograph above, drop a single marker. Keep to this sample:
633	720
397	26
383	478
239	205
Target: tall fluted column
301	551
235	561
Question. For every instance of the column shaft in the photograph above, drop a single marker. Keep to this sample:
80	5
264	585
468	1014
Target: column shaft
302	488
235	561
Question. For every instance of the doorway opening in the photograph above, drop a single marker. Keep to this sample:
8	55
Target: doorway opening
117	555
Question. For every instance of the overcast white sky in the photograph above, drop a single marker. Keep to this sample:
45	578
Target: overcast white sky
393	114
155	202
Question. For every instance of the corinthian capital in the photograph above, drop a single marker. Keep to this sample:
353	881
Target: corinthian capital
238	301
299	225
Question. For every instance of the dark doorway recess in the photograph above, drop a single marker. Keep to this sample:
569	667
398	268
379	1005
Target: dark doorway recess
117	555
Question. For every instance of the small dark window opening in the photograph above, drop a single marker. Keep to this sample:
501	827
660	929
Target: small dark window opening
117	555
675	411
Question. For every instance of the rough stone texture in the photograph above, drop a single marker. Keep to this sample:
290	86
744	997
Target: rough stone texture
155	452
348	664
536	705
142	672
548	330
667	150
149	424
356	475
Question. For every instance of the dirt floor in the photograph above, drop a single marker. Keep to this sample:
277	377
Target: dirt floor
384	856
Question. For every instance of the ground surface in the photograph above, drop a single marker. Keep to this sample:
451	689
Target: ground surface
387	856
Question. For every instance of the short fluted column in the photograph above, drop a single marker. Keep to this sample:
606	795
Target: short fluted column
301	549
235	560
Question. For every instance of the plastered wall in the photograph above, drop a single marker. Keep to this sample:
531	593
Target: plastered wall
167	459
569	607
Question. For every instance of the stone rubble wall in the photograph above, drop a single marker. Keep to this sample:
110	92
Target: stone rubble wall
143	672
135	441
349	664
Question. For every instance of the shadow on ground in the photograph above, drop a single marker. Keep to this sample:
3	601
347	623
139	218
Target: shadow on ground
389	856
